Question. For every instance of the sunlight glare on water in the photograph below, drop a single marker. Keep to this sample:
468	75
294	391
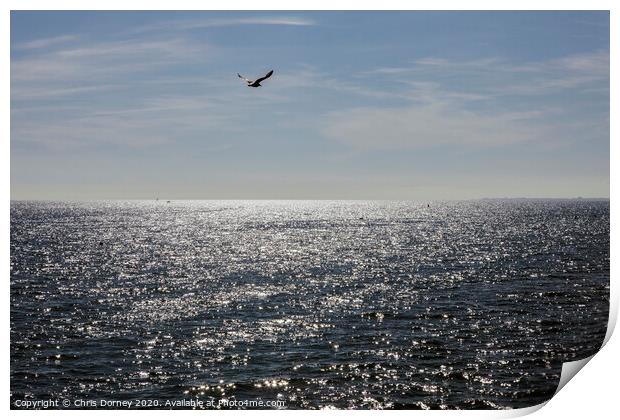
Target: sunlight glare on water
357	304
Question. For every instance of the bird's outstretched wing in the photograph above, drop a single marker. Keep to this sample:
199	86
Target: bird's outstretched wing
267	76
241	77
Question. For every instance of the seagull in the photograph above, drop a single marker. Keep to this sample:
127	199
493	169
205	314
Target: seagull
256	83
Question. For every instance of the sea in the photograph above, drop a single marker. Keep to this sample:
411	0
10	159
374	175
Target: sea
303	304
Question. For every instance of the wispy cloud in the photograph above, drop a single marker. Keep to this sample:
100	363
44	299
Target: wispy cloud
43	92
154	122
425	126
276	20
502	76
96	77
192	24
46	42
102	59
473	112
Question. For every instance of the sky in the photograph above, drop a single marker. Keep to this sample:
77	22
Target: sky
362	105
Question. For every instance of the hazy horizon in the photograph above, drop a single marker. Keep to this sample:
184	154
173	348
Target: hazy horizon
362	105
164	199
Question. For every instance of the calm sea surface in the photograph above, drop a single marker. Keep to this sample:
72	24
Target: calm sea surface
318	304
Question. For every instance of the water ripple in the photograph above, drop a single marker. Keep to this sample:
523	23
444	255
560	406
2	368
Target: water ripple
321	304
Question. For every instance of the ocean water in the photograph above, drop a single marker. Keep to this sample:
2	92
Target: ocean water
318	304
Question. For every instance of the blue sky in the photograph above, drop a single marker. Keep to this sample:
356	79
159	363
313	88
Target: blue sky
362	105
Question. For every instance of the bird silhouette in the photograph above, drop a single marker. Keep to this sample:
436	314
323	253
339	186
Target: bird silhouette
256	83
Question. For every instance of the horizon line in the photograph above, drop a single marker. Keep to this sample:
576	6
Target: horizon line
315	199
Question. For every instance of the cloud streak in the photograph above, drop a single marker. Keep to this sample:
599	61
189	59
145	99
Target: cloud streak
473	112
46	42
503	77
100	60
425	126
187	25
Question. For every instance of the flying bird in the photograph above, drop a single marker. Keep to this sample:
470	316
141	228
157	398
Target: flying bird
256	83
